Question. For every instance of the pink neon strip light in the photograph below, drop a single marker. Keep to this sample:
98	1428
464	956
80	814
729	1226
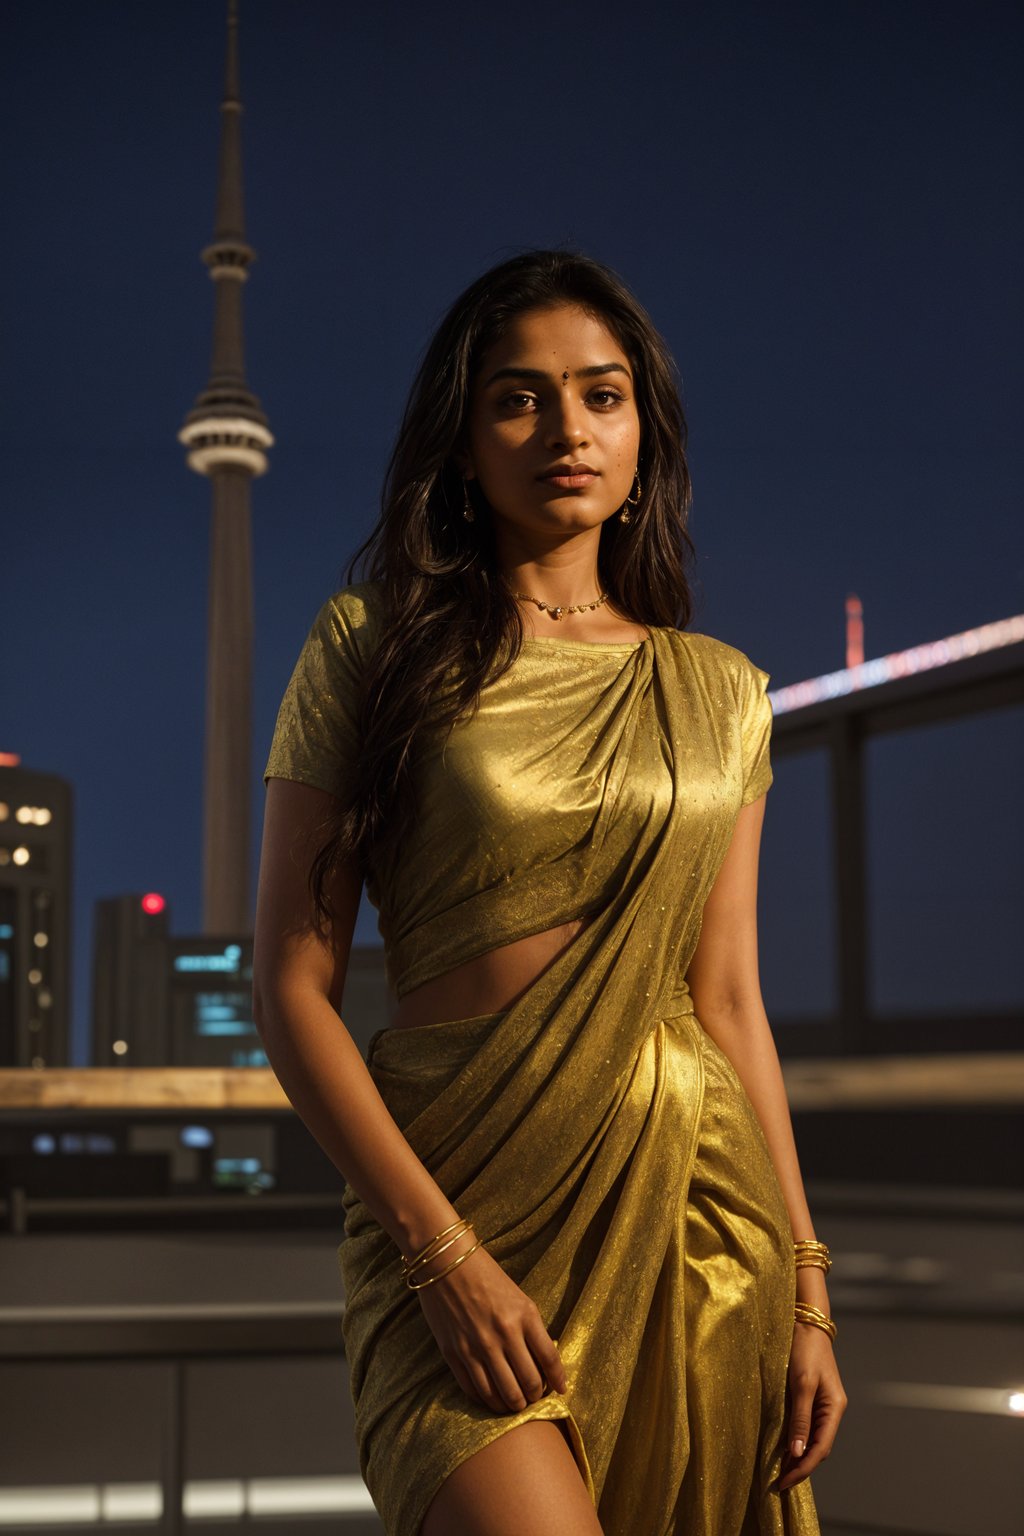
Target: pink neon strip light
920	658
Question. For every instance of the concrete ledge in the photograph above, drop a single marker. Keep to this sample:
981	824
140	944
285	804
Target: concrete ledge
184	1088
884	1082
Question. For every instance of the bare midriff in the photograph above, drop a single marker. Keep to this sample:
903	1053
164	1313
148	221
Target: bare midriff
488	983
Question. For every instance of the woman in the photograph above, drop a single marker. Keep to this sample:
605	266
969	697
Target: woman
573	1141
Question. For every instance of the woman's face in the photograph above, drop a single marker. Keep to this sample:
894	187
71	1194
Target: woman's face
554	394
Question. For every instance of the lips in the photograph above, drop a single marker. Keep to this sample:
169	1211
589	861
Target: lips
568	471
570	477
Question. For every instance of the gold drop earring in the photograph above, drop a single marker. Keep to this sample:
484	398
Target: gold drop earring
467	505
625	516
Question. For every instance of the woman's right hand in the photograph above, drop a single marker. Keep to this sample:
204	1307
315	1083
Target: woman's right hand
489	1331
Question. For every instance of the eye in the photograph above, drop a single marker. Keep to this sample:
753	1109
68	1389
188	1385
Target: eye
610	396
518	400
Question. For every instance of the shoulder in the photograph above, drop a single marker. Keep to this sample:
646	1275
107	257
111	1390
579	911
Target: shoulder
351	618
717	660
360	606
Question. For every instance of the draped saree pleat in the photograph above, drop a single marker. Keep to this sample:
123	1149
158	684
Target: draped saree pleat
600	1142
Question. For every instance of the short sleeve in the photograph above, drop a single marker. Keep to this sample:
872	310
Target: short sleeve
316	737
755	731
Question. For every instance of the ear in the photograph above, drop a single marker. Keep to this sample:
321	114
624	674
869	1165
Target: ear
464	463
461	454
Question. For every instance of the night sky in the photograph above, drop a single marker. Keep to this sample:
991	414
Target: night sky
820	206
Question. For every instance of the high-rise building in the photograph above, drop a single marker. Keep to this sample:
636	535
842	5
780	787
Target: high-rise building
129	981
35	917
227	439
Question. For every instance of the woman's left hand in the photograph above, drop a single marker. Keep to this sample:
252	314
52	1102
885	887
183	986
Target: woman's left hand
817	1403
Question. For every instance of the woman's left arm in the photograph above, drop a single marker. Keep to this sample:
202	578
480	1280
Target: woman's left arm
725	986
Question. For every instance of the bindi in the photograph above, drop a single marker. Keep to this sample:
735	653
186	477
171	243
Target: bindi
565	377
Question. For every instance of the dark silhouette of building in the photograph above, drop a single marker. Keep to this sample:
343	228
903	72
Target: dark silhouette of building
35	917
129	981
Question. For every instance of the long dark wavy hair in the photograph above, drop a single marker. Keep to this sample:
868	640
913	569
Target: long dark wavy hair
450	623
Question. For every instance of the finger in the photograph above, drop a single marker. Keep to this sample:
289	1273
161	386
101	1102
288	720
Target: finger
795	1455
462	1376
545	1352
481	1379
822	1441
799	1428
526	1370
504	1378
822	1438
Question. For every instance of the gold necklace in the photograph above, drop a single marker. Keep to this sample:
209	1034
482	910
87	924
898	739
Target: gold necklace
557	612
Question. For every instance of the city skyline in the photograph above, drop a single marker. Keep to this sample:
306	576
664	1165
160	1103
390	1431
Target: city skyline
837	284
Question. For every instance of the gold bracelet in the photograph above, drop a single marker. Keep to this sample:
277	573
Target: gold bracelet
808	1251
441	1273
807	1313
425	1258
461	1222
425	1253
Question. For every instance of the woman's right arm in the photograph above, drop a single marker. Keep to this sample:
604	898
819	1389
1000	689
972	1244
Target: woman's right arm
489	1331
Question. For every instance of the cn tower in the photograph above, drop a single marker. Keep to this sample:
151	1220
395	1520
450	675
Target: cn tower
227	438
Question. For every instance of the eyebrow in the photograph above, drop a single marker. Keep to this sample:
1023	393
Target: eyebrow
538	373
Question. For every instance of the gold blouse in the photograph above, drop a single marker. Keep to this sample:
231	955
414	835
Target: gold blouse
530	811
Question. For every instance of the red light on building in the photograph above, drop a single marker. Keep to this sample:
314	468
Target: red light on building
152	902
854	631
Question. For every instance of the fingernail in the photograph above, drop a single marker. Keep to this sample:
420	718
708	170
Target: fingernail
798	1447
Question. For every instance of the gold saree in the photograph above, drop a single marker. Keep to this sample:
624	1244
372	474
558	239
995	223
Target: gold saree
598	1139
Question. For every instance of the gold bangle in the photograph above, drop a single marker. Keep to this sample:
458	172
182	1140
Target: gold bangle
425	1258
809	1251
426	1252
441	1273
461	1222
806	1312
813	1322
809	1306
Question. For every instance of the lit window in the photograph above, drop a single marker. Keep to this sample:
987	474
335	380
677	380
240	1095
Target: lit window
196	1136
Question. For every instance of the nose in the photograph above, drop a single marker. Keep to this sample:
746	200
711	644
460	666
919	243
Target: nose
567	425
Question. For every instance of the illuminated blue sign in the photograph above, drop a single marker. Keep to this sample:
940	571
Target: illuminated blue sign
227	960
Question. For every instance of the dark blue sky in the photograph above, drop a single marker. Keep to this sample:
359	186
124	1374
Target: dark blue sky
820	205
